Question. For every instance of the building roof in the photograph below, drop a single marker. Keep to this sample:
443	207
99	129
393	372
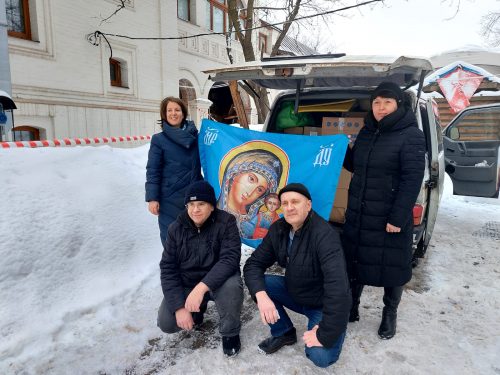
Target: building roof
296	48
488	59
291	46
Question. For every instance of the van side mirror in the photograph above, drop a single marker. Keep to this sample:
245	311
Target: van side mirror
454	133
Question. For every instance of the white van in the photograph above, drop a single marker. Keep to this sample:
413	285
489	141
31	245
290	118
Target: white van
339	87
472	144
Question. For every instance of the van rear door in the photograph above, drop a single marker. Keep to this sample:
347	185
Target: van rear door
436	169
326	71
471	148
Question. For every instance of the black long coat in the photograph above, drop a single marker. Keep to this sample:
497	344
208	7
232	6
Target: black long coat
387	162
173	164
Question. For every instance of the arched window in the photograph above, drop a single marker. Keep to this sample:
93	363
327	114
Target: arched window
25	133
186	91
222	108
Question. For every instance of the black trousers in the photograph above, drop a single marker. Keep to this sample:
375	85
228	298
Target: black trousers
392	296
228	301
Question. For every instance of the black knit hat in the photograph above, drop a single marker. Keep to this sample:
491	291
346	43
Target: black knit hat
296	187
200	191
388	90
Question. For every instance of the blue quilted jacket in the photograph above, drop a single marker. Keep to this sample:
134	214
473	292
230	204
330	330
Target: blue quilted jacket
173	164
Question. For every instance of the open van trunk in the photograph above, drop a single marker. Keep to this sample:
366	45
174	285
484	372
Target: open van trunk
330	95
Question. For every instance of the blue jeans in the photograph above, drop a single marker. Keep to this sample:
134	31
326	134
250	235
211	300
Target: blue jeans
276	290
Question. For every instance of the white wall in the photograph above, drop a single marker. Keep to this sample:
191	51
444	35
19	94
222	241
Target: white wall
204	52
61	81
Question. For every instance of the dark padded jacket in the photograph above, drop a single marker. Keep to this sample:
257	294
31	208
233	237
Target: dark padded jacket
315	273
173	164
387	162
210	254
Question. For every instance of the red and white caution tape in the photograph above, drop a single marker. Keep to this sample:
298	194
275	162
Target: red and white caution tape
74	141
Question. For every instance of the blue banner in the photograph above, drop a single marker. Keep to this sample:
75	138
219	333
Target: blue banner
248	168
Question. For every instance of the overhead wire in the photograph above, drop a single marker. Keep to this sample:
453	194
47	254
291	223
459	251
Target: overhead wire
98	33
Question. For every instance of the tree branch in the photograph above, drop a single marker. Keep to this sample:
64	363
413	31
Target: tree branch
119	7
286	26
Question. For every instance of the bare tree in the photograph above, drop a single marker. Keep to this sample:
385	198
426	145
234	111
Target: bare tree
291	15
490	28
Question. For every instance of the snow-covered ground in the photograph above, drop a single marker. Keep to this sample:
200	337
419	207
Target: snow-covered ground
79	284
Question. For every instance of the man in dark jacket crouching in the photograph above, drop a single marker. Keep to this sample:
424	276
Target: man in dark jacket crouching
315	282
201	262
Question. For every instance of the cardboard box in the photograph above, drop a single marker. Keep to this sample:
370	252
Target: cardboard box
337	215
295	130
303	130
341	198
342	125
312	130
344	179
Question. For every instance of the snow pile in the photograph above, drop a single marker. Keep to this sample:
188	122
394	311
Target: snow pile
75	233
79	284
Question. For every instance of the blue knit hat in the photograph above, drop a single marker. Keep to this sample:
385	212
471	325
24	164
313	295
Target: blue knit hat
200	191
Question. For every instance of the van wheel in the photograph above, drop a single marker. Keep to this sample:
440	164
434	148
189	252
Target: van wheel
421	248
419	252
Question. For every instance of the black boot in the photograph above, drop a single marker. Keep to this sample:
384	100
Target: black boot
231	345
387	328
273	344
392	297
356	290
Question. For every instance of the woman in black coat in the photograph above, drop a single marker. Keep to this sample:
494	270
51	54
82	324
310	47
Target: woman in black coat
173	163
387	161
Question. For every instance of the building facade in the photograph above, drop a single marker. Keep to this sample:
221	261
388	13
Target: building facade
68	81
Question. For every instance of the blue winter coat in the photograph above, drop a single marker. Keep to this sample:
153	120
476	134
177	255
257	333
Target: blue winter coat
173	164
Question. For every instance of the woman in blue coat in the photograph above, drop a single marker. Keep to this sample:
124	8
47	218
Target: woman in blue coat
173	163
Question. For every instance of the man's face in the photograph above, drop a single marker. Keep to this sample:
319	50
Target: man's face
199	211
295	208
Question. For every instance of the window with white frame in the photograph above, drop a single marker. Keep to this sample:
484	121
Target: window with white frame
118	73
